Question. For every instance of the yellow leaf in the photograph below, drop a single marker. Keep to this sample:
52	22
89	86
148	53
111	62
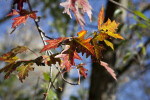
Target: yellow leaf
110	26
102	36
117	36
108	43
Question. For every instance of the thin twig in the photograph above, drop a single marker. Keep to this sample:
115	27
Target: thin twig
65	79
126	9
33	52
42	34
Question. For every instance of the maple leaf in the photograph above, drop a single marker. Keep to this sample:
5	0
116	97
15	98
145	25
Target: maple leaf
11	56
8	58
10	68
78	7
19	49
53	43
24	69
24	15
105	32
19	20
98	49
19	4
66	61
111	71
82	70
108	28
83	45
102	36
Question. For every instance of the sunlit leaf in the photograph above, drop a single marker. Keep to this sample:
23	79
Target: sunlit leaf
108	43
84	45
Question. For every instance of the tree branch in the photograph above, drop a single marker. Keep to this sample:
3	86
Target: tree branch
42	34
126	9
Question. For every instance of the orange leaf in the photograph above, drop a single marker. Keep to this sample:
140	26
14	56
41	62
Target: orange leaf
83	45
100	18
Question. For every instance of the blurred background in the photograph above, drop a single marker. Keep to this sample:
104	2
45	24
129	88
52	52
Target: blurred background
130	59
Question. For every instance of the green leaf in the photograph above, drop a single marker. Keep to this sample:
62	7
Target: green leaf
46	76
52	95
143	50
127	56
141	25
141	15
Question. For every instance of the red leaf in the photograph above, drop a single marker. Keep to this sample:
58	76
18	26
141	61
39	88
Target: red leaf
74	5
53	44
15	12
66	61
19	20
82	70
24	15
33	15
111	71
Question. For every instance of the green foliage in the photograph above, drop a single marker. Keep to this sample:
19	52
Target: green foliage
52	95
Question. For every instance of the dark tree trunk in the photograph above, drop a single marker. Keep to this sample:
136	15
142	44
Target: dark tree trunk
103	86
